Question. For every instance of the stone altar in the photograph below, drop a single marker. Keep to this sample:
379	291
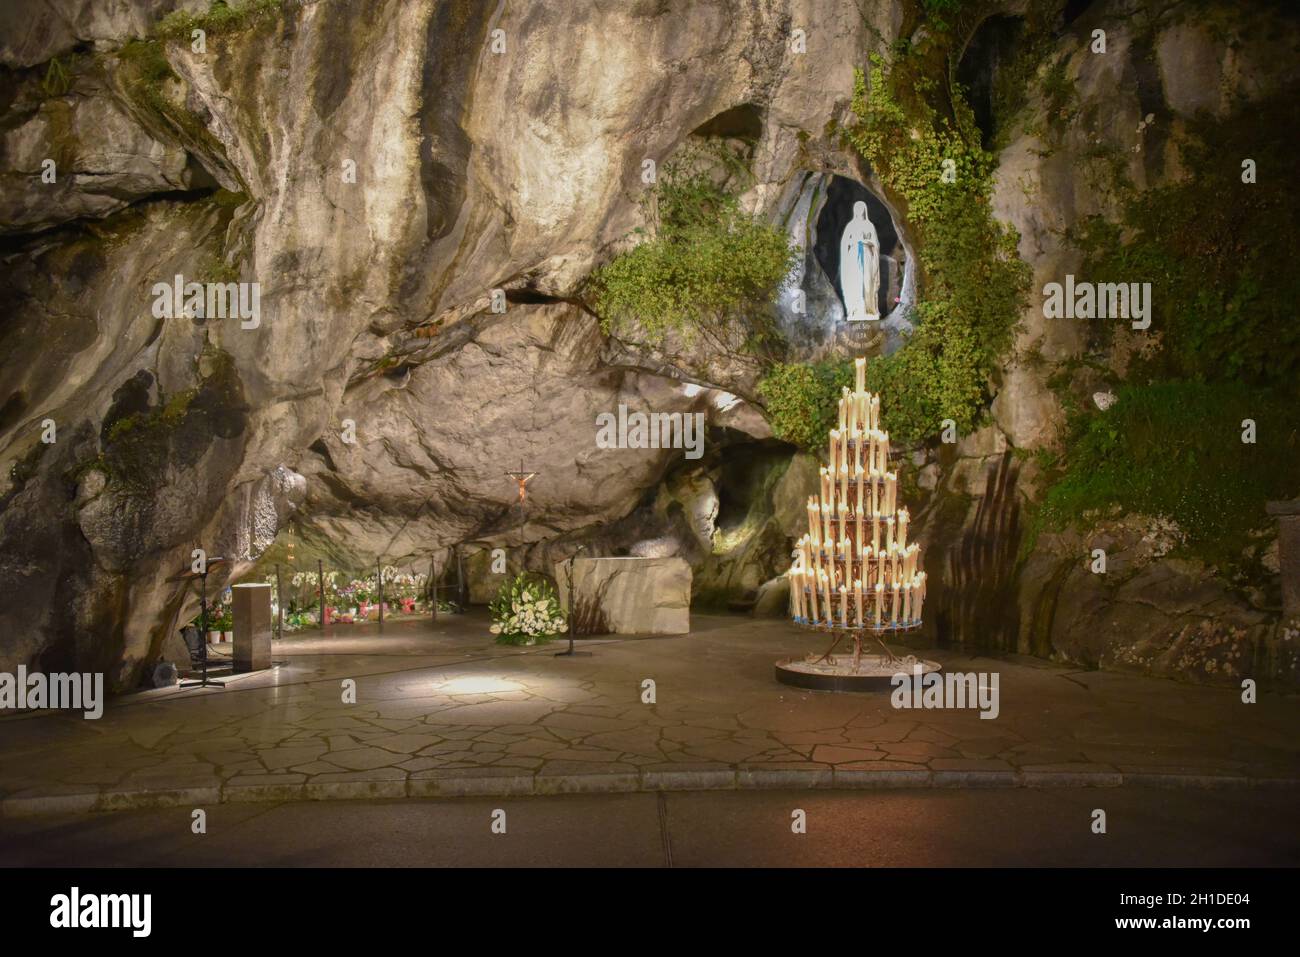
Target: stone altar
252	613
635	596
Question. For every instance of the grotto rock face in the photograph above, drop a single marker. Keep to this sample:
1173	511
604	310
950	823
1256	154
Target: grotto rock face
1051	175
81	155
34	31
473	172
381	173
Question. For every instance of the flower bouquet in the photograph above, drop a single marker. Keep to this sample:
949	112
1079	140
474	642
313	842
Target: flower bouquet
526	611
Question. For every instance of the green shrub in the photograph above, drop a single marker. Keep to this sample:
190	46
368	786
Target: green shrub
1215	250
801	399
1174	450
709	266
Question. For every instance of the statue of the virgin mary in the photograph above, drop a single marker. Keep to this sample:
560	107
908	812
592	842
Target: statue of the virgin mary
860	267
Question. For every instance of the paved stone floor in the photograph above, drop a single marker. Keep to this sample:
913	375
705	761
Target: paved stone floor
442	711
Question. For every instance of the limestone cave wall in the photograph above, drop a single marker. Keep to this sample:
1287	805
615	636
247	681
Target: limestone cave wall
379	169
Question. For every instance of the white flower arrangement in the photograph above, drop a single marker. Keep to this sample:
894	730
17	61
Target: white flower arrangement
526	611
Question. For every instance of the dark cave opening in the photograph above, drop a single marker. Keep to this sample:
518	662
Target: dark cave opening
743	476
990	50
1074	9
743	122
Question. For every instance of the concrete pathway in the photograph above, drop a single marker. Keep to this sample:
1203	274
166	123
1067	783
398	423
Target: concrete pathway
1029	827
442	711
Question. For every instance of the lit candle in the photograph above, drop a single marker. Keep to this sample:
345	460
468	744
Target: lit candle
875	531
842	411
867	575
844	606
907	602
852	402
857	599
857	538
891	492
860	374
844	482
894	607
880	602
875	411
826	485
903	518
813	519
826	594
812	595
875	492
889	533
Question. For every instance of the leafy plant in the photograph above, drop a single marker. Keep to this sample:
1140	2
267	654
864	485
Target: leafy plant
801	399
1223	305
707	268
1174	450
973	282
57	80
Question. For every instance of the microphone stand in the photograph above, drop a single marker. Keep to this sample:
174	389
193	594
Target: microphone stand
205	681
572	608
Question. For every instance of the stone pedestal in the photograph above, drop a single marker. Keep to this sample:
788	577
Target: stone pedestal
1288	553
629	596
252	611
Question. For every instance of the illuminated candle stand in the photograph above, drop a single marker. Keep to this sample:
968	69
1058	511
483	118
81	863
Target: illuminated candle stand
855	574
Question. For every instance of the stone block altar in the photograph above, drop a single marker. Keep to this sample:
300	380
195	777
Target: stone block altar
629	596
252	614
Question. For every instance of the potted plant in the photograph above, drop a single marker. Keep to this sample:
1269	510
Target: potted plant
526	611
222	620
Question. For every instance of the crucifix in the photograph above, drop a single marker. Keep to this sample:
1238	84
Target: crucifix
522	478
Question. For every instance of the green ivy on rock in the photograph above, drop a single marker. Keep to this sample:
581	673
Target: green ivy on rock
708	265
1174	450
973	284
801	399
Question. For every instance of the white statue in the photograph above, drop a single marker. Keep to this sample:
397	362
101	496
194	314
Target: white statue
860	267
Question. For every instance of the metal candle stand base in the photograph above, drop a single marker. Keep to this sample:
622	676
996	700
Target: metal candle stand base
839	632
826	673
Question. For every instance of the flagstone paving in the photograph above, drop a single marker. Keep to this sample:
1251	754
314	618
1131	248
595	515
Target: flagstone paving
440	710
